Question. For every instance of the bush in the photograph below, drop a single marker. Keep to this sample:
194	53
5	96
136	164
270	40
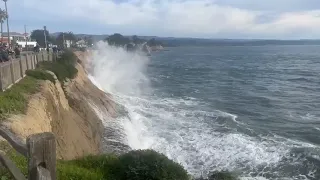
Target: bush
148	164
63	68
220	175
62	71
68	57
40	74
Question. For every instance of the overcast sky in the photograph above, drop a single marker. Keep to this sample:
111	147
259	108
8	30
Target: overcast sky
276	19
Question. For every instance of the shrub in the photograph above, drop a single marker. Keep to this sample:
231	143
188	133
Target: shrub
222	175
148	164
68	57
40	74
61	70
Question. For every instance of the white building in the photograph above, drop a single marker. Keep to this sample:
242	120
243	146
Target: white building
81	43
19	39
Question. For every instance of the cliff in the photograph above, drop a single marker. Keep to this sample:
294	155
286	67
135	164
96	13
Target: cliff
66	110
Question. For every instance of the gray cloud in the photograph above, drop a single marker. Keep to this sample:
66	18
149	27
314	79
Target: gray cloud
272	5
189	18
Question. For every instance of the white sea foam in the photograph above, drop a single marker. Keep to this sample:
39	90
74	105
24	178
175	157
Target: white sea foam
168	125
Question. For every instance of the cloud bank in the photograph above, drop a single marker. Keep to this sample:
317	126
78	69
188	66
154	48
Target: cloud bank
284	19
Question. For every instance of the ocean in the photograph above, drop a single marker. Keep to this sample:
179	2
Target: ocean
252	110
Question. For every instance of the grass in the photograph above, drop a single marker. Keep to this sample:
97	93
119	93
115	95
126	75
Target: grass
15	99
66	170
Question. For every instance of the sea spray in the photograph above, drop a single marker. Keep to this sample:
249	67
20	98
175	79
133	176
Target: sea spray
119	71
122	74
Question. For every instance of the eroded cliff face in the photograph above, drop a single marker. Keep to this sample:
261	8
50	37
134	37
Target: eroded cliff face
67	112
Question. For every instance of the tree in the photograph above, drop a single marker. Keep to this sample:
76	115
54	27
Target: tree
38	35
136	40
3	17
64	36
88	40
153	42
117	40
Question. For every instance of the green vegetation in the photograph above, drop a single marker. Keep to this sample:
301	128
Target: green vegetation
220	175
143	164
148	164
66	36
154	42
117	40
40	74
223	175
120	40
38	35
15	99
63	68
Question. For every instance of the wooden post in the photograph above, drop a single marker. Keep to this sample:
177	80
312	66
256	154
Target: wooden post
41	156
21	68
11	70
27	58
42	56
1	80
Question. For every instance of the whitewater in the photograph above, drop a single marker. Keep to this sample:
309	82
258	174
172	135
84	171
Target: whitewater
188	129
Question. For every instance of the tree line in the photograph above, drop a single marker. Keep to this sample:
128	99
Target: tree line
115	39
120	40
38	35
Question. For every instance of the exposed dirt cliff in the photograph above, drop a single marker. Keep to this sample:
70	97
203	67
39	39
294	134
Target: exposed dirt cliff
67	112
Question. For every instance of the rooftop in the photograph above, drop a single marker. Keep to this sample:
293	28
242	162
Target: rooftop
13	34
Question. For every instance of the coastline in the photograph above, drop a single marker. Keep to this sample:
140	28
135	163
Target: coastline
66	110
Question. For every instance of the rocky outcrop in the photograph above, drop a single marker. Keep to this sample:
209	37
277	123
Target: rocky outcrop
67	111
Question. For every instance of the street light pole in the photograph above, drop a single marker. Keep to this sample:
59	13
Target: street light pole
2	17
5	3
25	36
63	40
45	35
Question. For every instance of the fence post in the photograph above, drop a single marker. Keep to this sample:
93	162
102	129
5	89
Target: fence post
11	70
42	56
21	69
41	156
27	58
1	86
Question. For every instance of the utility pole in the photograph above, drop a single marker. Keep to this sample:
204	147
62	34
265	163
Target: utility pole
5	3
63	40
45	36
25	35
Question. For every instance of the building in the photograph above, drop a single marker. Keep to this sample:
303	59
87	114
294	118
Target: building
81	43
20	39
